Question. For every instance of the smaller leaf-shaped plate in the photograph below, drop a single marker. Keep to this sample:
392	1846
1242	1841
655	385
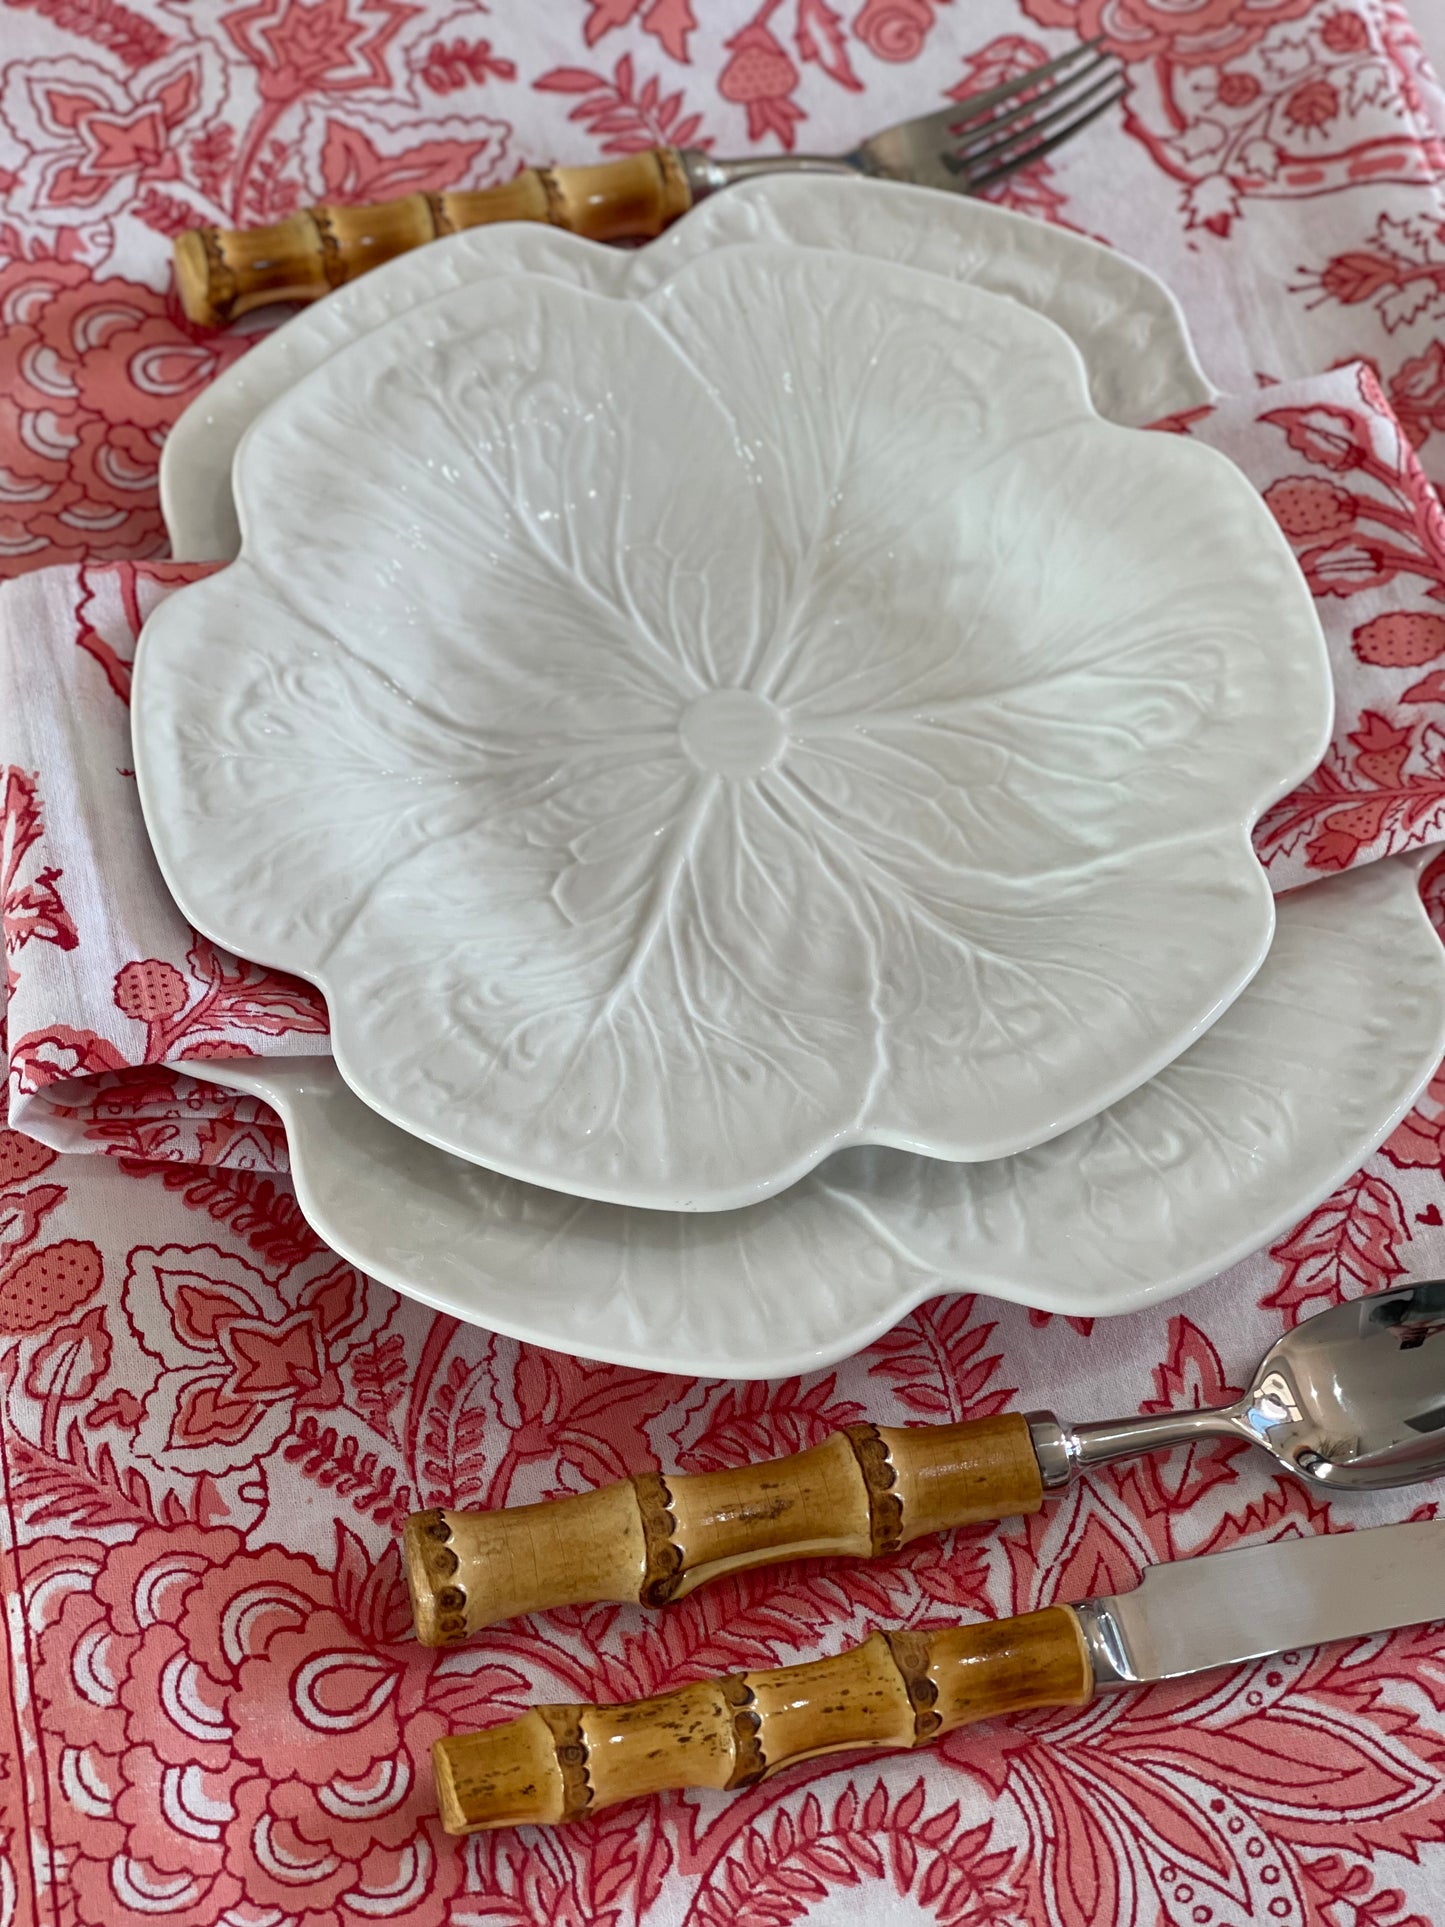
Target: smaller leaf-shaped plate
686	734
1273	1108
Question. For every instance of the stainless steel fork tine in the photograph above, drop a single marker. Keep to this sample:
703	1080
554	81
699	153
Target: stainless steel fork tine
984	103
962	113
1032	116
962	146
1009	163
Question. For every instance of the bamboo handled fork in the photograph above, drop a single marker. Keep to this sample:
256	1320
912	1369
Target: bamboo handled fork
966	147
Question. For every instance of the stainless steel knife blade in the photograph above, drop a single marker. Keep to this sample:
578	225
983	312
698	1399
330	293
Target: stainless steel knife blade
1227	1607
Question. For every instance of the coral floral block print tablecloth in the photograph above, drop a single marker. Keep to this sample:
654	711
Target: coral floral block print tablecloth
212	1428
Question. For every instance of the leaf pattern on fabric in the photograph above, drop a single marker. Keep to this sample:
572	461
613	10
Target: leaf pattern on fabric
1347	1245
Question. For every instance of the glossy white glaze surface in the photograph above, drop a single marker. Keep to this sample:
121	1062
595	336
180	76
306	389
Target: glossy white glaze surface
686	735
974	864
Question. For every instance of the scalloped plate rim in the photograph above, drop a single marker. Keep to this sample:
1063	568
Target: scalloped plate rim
283	1082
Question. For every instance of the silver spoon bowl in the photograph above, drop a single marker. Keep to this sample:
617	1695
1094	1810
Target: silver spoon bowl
1352	1398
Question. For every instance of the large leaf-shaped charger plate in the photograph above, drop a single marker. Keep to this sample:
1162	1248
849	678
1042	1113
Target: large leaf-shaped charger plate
687	734
1299	1080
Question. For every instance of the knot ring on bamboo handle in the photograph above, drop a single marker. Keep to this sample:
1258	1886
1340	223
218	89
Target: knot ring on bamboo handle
862	1493
560	1763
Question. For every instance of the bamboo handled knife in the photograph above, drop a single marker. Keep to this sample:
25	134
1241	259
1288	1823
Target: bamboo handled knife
561	1763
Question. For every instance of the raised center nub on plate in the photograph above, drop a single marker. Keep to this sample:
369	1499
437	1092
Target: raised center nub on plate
732	732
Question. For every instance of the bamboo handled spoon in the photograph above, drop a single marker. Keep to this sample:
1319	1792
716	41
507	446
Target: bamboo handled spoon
1352	1398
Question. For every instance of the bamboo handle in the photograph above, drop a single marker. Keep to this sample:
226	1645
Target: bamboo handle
558	1763
222	273
862	1492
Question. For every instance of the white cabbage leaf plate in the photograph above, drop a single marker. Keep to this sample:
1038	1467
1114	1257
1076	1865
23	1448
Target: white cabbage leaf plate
686	734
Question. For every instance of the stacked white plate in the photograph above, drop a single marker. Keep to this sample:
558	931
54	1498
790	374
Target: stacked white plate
760	755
